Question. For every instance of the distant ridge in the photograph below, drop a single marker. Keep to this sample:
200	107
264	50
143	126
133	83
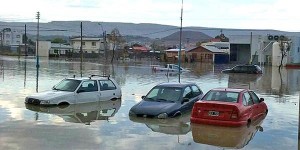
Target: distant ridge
148	30
187	37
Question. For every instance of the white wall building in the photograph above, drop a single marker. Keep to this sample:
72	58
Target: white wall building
11	37
89	45
260	49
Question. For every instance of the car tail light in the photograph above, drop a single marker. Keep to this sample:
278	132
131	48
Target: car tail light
234	114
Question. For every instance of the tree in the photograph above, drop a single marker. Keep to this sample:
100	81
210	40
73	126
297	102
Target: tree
222	38
285	46
58	40
116	38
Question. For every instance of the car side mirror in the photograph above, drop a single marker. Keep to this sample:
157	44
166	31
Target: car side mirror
143	97
185	100
261	99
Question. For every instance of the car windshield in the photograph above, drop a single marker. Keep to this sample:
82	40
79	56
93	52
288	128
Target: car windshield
69	85
224	96
161	93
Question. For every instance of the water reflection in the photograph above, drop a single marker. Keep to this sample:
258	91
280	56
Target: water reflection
175	126
248	81
135	79
226	137
81	113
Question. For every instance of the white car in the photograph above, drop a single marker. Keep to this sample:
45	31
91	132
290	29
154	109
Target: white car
78	90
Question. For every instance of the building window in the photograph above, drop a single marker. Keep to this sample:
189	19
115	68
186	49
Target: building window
7	36
93	43
18	42
18	36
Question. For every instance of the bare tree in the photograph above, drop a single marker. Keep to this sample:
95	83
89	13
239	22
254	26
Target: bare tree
285	46
116	38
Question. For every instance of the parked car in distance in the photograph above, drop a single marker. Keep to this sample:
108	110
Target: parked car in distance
78	90
250	69
167	100
228	107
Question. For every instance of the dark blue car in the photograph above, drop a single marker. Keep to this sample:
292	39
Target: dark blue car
167	100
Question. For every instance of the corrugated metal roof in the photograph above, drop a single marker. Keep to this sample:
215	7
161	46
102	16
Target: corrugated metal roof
213	49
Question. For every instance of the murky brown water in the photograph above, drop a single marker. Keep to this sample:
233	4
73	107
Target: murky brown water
88	127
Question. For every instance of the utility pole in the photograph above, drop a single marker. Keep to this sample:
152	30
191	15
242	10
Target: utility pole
25	41
37	39
81	52
180	37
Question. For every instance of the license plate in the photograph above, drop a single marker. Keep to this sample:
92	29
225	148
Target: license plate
213	113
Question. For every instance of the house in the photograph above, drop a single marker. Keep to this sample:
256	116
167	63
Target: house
59	49
46	49
207	54
11	40
172	54
89	45
10	37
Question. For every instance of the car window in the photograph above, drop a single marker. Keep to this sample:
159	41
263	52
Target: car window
254	97
107	85
153	93
196	91
224	96
187	93
67	85
88	86
248	98
161	93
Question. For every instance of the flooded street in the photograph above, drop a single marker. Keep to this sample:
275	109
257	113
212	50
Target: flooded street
108	126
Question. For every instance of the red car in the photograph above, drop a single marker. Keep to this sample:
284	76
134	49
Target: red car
228	107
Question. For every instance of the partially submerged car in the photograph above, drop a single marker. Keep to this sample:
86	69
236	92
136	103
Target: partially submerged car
250	69
81	113
228	107
167	100
78	90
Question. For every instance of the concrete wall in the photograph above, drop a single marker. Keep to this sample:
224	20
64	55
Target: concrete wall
44	47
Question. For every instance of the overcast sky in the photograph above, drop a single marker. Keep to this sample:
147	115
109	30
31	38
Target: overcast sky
243	14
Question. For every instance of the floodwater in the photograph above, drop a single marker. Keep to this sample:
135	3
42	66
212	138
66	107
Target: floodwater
106	125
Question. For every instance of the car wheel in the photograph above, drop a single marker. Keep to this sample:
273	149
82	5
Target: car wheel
63	104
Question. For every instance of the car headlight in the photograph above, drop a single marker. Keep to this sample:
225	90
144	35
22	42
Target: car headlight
44	102
162	116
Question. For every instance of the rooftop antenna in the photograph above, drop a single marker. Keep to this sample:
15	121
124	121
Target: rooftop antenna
180	37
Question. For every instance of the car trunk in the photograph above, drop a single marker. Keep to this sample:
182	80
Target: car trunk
215	110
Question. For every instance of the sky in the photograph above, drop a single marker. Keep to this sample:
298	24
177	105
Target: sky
239	14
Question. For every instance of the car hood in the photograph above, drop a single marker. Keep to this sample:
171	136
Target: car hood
154	108
48	95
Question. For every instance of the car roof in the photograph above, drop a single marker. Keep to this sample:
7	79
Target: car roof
229	89
175	84
91	77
